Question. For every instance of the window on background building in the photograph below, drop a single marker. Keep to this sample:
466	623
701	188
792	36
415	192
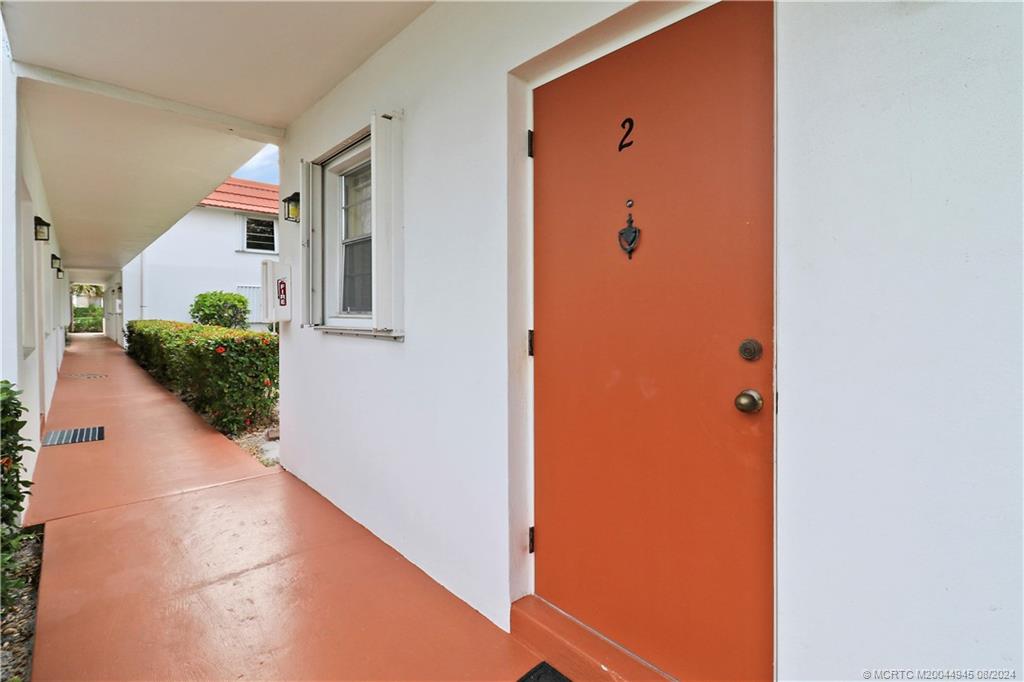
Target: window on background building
260	234
353	223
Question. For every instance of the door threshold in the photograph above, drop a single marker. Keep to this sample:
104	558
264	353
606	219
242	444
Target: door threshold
576	650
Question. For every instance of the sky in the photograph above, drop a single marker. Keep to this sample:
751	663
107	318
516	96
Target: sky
262	167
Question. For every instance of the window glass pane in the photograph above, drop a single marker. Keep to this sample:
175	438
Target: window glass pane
357	282
357	202
259	234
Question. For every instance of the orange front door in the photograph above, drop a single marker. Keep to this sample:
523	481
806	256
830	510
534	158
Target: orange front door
653	489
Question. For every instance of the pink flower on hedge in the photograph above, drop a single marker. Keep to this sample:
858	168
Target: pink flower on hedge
221	349
248	421
266	382
266	341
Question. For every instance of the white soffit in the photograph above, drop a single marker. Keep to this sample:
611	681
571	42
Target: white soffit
76	276
116	174
265	62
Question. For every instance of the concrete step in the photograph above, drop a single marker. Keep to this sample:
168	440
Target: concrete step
575	650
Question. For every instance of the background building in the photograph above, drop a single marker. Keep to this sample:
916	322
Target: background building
217	246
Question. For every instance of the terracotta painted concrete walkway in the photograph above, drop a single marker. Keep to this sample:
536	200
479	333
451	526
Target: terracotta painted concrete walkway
172	555
154	444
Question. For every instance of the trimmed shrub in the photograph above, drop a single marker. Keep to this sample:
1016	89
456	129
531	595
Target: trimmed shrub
221	309
228	375
87	319
15	488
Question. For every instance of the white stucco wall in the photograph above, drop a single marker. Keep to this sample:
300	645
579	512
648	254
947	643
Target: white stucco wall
48	301
202	252
9	353
113	320
34	317
899	325
899	337
411	439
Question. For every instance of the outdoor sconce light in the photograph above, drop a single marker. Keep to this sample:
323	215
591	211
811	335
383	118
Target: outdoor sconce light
55	261
291	207
42	230
60	274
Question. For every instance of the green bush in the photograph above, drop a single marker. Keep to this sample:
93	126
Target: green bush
228	375
87	319
221	309
15	488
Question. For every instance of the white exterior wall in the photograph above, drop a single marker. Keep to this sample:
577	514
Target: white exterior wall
9	249
899	337
132	291
113	319
411	439
35	316
202	252
899	325
42	329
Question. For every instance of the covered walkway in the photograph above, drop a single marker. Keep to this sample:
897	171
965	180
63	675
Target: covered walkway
171	555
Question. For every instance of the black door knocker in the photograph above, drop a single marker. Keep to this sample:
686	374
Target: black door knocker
629	236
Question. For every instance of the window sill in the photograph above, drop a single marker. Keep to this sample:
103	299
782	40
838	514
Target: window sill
388	334
259	251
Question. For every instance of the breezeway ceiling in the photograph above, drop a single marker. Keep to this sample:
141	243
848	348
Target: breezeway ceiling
86	276
117	175
133	114
262	61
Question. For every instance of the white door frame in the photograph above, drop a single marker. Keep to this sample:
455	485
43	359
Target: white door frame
623	28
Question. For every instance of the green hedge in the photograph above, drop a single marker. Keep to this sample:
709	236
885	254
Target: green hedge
13	446
220	308
229	375
87	319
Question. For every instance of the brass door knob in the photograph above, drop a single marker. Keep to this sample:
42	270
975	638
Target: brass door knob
749	401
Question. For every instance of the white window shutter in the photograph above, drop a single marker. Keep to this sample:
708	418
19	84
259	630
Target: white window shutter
388	237
305	250
311	229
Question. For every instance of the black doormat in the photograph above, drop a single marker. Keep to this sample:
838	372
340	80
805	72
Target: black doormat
69	436
543	672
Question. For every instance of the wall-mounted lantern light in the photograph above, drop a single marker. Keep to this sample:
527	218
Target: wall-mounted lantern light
291	207
42	230
55	261
60	274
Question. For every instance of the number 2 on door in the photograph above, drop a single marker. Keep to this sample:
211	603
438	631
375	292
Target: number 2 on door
627	125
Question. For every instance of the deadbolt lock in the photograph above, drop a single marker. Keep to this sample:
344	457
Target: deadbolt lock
751	350
749	401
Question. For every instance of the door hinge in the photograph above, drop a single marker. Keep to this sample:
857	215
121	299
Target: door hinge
529	143
529	342
531	539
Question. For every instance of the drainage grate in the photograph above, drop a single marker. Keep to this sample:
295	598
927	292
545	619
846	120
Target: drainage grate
69	436
87	375
544	672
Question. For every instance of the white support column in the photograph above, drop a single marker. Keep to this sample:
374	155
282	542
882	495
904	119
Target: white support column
9	356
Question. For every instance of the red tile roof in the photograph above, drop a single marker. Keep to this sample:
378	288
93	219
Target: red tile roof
244	195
